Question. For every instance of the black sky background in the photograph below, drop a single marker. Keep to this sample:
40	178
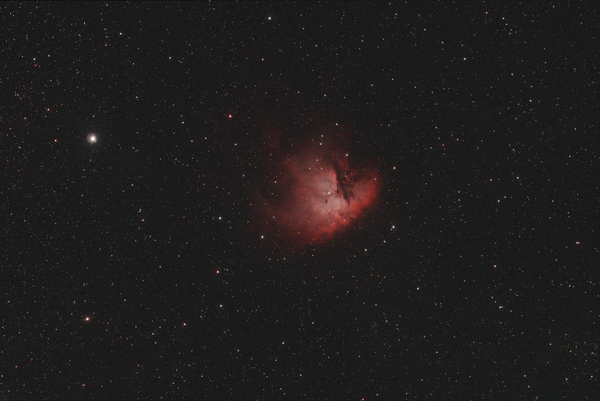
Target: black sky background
131	267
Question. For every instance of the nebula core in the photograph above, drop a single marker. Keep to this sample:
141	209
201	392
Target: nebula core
314	188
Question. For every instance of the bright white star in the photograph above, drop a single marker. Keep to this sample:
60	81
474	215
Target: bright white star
92	138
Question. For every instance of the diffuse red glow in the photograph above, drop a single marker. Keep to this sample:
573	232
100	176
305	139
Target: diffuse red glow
315	192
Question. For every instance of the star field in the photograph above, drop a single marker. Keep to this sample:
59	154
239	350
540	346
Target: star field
136	138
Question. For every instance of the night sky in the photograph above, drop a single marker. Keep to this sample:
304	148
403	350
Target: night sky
178	253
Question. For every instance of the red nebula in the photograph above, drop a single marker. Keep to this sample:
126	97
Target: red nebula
313	190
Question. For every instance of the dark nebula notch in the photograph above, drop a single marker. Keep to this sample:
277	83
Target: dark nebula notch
313	188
